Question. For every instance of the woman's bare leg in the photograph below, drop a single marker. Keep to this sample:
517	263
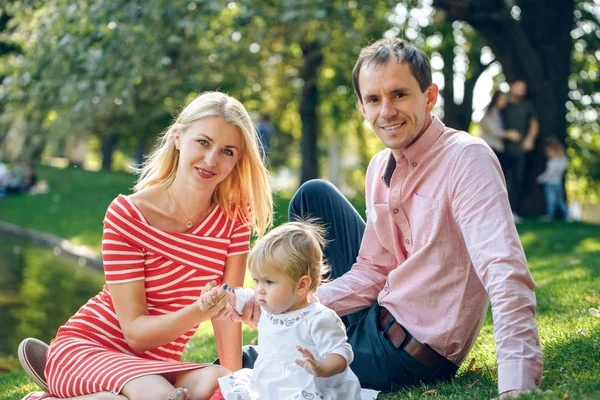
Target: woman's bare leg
201	383
94	396
149	387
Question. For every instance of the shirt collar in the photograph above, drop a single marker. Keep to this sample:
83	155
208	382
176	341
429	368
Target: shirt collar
417	150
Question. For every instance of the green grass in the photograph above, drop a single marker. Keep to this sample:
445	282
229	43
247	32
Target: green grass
564	260
73	208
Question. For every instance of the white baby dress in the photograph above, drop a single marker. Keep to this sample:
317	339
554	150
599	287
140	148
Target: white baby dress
276	376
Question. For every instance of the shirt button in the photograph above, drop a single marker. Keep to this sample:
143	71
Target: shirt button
407	241
414	164
385	288
396	211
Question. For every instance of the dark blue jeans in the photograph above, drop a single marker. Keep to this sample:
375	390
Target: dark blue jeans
377	363
555	199
514	169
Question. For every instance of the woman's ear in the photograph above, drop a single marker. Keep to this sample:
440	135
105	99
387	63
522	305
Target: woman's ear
303	285
176	137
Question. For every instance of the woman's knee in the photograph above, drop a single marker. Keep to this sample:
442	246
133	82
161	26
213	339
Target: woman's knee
202	383
149	387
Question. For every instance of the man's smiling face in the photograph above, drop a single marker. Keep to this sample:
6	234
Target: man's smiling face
393	103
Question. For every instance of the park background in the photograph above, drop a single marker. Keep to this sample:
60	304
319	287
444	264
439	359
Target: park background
86	86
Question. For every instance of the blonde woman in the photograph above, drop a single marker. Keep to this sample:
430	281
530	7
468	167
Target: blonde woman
187	224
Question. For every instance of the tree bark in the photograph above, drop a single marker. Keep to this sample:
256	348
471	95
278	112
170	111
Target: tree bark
537	48
109	143
458	115
313	57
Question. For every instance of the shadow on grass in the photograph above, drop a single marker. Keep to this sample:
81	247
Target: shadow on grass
564	264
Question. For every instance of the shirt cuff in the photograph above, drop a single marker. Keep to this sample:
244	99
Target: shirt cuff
519	375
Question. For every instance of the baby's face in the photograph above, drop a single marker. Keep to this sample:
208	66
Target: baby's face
275	292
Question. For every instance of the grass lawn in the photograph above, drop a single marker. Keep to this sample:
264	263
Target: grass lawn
564	260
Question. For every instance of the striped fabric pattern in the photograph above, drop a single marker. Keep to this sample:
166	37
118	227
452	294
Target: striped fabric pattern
89	353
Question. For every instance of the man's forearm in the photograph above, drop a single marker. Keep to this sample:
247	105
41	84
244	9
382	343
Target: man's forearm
534	130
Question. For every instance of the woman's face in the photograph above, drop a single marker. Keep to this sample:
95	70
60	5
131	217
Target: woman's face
209	149
501	101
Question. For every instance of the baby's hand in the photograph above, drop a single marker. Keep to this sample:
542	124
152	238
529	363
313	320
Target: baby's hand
228	312
231	302
309	363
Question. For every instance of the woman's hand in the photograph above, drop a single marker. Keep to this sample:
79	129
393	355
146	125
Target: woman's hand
213	300
513	135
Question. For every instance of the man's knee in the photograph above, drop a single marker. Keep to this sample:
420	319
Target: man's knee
315	187
311	192
249	356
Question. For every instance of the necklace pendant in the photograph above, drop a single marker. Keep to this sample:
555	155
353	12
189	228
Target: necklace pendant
188	224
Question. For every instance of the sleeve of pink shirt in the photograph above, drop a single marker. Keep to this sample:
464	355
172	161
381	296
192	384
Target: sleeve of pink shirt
359	288
481	209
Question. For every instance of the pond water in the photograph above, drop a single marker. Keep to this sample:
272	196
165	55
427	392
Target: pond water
39	290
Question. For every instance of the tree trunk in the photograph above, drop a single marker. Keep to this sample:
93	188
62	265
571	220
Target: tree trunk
109	143
335	161
35	142
536	48
458	115
313	57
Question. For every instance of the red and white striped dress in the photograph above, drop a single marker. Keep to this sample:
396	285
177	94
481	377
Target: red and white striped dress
89	353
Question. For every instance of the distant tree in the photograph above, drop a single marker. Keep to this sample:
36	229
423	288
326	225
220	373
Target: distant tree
318	43
93	68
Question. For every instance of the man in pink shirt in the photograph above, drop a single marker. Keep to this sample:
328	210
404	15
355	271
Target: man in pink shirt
439	242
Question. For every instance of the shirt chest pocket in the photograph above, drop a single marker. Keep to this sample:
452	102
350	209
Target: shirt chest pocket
423	217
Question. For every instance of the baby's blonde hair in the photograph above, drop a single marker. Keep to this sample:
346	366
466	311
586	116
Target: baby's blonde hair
293	249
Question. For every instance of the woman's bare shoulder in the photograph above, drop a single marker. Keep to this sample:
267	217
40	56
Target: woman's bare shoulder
153	204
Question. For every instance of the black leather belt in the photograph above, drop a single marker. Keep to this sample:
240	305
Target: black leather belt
400	338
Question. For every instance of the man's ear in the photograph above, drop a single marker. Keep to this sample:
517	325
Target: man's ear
303	285
361	106
432	95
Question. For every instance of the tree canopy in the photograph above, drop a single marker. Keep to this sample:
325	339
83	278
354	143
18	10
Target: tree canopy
115	72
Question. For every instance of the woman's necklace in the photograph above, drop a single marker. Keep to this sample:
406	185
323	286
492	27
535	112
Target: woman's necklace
189	222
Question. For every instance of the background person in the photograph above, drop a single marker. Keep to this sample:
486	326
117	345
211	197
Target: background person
492	126
521	122
552	179
266	131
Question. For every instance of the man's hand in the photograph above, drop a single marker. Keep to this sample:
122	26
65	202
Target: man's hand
250	315
527	145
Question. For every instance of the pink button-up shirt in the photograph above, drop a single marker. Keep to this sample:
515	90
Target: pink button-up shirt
440	242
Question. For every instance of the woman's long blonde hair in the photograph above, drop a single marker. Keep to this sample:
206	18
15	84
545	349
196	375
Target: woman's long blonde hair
246	187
